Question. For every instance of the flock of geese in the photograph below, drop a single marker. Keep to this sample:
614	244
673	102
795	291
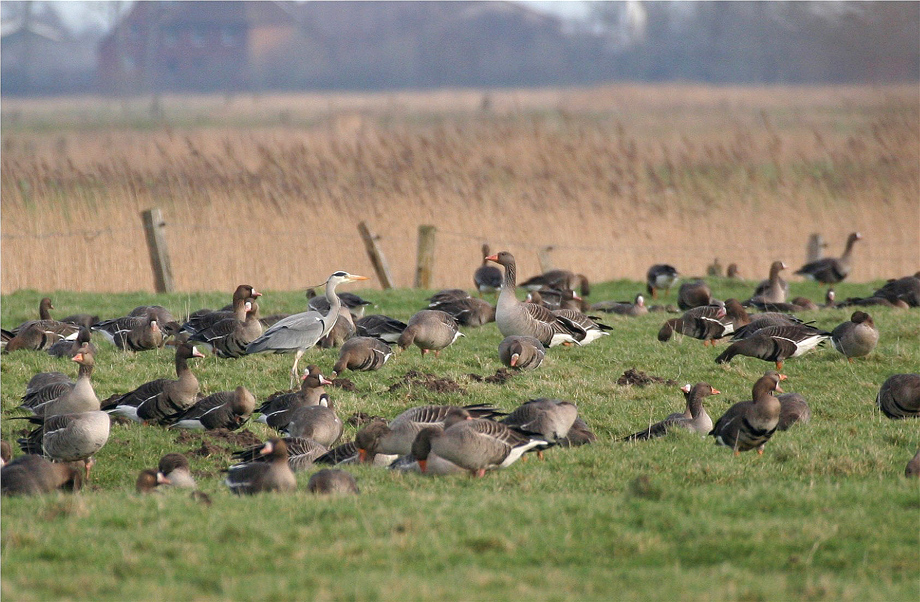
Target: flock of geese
71	424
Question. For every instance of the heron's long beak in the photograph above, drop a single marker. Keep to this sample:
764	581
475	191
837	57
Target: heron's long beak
353	278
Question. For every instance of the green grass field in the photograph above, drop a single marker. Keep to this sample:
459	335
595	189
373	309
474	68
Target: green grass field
825	513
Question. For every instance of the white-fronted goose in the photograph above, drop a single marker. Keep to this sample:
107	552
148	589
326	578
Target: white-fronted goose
623	308
487	278
353	302
774	289
66	397
548	419
468	312
342	330
176	469
430	330
81	320
34	475
362	354
224	409
276	410
39	382
732	271
381	327
830	299
333	481
479	445
159	313
549	298
758	322
899	396
660	276
301	331
65	348
68	437
692	294
148	480
158	400
204	319
693	418
138	333
793	407
302	453
593	330
319	423
528	319
857	337
804	304
258	477
348	453
396	437
558	280
579	434
53	330
831	270
912	470
749	425
522	353
873	301
447	295
905	289
31	338
229	338
706	323
776	344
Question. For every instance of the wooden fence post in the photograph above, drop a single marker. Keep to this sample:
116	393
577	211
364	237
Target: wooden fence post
425	265
546	262
815	248
154	229
376	257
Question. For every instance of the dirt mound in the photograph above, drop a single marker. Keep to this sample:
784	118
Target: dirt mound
641	379
428	381
245	438
344	383
501	376
359	419
207	449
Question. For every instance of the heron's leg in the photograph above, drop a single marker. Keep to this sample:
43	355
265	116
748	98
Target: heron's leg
297	357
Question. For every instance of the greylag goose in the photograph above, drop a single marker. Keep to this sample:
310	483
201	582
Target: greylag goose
302	453
138	333
396	437
224	409
78	397
65	348
899	396
68	437
158	400
430	330
258	477
354	303
694	294
905	289
623	308
660	276
276	410
176	469
53	330
423	460
548	419
912	470
148	481
749	425
34	475
752	325
332	481
831	270
362	353
315	422
772	290
523	353
857	337
229	338
528	319
468	312
694	418
380	327
301	331
204	319
578	435
706	323
487	278
478	445
776	344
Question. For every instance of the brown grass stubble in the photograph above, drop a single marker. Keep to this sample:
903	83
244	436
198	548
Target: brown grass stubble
615	178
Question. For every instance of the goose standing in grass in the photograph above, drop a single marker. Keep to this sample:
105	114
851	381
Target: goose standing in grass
34	475
772	290
430	330
831	270
899	396
362	354
857	337
522	353
331	481
776	344
229	338
693	418
301	331
224	409
175	467
302	453
276	410
623	308
593	330
487	278
707	323
66	397
258	477
750	424
158	400
68	437
319	423
527	319
660	276
140	333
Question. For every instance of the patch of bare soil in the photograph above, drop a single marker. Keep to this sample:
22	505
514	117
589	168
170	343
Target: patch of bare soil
359	419
641	379
344	383
501	376
428	381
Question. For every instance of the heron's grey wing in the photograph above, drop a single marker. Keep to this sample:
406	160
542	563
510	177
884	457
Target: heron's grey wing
299	331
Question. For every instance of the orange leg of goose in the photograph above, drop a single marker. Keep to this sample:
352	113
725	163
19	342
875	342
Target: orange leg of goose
540	455
760	451
480	473
779	365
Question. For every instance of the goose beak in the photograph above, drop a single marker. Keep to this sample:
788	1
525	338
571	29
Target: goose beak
783	377
77	358
256	293
514	360
267	449
493	258
162	480
715	391
779	389
362	456
324	381
196	353
423	465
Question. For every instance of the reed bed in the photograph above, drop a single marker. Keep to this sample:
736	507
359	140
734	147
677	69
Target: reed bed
269	189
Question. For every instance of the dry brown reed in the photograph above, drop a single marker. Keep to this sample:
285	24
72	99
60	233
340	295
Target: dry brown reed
269	190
